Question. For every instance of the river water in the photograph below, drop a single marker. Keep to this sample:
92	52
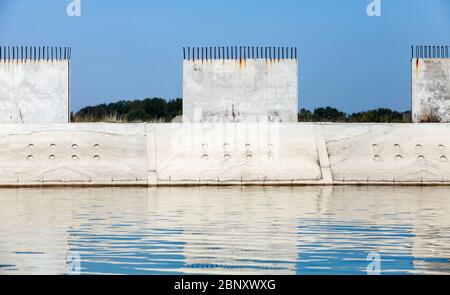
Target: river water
251	230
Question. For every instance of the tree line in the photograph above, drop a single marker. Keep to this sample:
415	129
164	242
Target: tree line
164	111
147	110
329	114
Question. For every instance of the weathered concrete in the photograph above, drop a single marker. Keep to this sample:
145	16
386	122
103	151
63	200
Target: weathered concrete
237	154
224	154
240	90
73	154
431	90
34	91
389	153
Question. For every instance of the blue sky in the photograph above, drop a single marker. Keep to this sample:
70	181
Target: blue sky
132	49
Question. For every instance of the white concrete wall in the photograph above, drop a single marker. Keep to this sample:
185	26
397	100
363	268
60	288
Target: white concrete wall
388	153
224	154
431	90
34	91
240	91
236	153
79	154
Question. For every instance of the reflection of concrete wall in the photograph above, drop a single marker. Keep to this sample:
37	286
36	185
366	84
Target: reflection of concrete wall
34	91
431	90
194	231
273	230
240	90
418	215
231	230
34	228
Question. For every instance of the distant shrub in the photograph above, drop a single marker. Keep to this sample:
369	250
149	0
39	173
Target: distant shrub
161	110
377	116
147	110
329	114
430	116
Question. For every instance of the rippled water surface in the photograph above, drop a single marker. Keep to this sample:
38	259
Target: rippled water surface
304	230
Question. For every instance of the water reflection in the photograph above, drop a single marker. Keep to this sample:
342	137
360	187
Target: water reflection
303	230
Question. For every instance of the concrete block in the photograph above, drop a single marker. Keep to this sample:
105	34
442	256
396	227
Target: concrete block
237	154
73	154
240	90
431	90
389	153
34	91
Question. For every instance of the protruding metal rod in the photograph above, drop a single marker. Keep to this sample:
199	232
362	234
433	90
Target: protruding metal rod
430	51
220	52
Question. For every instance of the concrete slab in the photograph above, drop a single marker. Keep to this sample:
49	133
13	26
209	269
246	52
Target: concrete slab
240	90
75	154
34	91
223	154
389	153
237	154
431	90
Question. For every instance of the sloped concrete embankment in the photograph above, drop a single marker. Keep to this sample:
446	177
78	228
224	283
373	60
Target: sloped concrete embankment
224	154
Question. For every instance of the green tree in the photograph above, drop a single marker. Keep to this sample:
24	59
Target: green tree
329	114
136	116
305	116
150	109
377	116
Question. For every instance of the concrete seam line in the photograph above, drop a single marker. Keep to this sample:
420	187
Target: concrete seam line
322	152
150	139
